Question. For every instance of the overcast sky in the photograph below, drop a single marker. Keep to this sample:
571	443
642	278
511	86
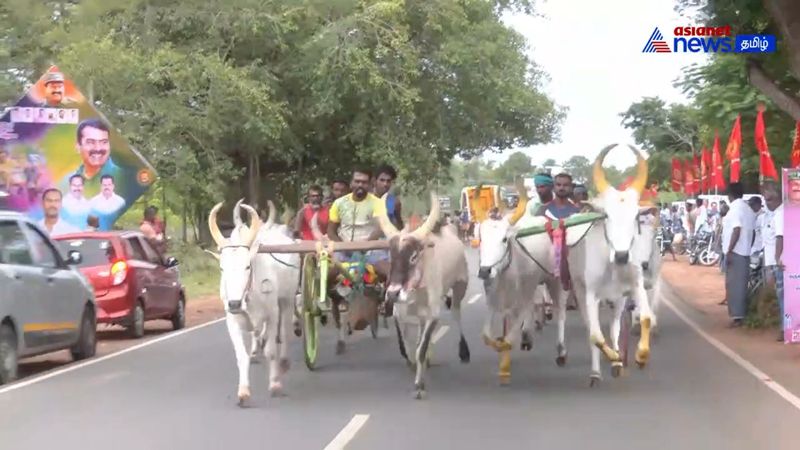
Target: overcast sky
592	51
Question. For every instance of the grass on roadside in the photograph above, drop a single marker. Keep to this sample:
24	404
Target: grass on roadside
199	270
762	311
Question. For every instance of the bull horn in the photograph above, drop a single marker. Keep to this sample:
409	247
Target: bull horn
219	239
386	225
522	204
255	225
598	174
640	181
270	215
315	231
425	229
237	213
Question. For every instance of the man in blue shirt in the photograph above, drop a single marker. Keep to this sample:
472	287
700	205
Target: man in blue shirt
384	179
561	206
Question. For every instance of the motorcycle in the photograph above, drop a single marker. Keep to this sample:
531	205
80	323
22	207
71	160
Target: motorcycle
756	279
702	249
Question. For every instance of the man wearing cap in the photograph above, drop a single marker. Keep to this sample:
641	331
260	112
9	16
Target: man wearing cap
54	90
544	190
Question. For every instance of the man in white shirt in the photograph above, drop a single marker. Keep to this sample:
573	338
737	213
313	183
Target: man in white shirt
737	239
701	223
52	223
772	234
758	210
76	206
107	202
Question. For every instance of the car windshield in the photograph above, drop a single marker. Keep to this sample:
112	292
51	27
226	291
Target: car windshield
94	252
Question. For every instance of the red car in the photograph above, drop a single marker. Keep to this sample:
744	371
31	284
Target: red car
132	281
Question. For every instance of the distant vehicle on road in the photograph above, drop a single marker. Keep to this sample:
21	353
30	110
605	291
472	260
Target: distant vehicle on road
133	283
45	304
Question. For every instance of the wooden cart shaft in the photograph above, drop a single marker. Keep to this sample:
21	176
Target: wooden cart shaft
311	247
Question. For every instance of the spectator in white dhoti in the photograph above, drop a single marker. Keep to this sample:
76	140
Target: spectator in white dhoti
737	240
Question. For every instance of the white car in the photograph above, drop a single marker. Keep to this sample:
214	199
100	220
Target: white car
46	305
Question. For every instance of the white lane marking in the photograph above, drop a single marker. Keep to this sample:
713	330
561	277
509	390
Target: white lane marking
474	299
348	432
89	362
440	333
745	364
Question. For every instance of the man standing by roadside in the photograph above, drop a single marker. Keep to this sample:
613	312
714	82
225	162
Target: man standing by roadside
758	210
153	230
737	239
772	235
339	188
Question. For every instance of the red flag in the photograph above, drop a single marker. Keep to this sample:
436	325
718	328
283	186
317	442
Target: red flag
795	159
733	149
677	175
689	181
766	166
717	179
625	184
696	174
705	166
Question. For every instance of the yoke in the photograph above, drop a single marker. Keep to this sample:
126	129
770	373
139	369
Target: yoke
571	221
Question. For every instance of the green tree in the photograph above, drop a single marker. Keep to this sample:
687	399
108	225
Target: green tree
579	167
516	165
261	96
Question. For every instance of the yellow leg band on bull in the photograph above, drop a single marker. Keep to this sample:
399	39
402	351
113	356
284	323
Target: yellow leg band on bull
505	366
498	345
611	354
643	352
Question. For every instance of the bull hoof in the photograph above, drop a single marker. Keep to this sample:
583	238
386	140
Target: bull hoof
642	355
504	380
297	330
284	364
539	326
594	379
323	320
616	370
419	391
463	350
548	315
244	395
448	302
340	347
276	389
527	343
561	361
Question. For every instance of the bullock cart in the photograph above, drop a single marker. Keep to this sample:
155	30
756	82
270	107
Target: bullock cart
317	259
626	325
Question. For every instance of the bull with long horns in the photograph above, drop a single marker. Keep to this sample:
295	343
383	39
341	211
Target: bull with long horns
426	264
603	268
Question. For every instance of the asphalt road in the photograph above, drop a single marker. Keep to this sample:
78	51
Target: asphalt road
180	393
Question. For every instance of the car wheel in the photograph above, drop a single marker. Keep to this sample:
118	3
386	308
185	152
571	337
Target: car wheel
136	328
87	342
8	354
179	317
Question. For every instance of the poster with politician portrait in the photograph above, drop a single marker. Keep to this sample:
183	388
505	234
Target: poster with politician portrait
53	138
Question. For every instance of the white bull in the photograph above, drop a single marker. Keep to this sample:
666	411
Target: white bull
425	266
257	291
648	254
511	273
603	268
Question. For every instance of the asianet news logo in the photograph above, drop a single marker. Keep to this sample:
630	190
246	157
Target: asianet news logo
709	39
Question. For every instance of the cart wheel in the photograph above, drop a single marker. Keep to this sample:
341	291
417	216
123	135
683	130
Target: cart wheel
310	311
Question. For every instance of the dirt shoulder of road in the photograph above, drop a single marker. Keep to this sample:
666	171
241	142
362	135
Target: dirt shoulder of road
702	288
111	339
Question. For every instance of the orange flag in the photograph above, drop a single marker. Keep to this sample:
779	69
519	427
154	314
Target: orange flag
766	166
795	159
732	151
717	179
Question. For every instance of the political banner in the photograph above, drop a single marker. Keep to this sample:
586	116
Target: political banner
791	255
62	162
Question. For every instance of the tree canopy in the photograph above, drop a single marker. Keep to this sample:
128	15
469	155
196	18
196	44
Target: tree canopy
259	96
